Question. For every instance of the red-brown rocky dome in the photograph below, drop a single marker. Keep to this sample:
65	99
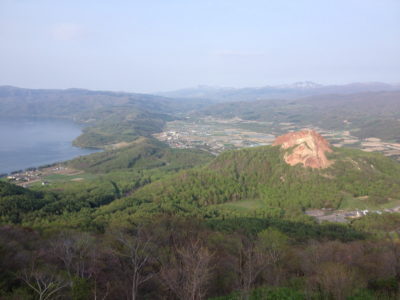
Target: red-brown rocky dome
307	147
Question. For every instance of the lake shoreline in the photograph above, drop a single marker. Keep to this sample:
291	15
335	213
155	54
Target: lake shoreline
33	143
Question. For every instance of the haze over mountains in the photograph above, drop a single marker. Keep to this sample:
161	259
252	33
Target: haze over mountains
77	100
69	102
285	91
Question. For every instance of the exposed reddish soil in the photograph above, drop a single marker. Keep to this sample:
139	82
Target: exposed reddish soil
306	147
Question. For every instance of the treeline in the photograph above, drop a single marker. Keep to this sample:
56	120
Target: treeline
168	257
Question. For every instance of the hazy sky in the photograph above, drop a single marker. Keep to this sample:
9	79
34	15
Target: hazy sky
153	45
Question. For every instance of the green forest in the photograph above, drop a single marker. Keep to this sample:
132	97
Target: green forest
151	222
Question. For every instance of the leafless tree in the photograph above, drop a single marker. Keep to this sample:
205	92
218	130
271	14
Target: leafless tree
337	280
133	251
250	264
272	246
75	251
46	283
188	270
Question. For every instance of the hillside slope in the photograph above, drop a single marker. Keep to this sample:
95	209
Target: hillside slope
143	153
109	175
261	174
146	178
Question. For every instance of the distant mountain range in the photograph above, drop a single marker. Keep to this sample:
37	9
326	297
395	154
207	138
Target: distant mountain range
70	102
286	91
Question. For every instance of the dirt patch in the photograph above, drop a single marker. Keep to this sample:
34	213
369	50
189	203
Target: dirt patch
78	179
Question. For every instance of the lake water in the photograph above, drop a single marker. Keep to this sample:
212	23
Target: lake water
26	143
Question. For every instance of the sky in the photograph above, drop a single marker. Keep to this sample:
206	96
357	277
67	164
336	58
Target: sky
160	45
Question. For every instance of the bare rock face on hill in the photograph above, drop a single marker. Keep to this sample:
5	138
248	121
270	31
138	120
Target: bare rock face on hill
307	147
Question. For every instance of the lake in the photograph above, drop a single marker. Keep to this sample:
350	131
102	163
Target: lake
26	143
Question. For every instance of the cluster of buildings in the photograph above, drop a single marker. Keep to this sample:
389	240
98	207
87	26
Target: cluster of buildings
29	176
214	137
24	176
343	216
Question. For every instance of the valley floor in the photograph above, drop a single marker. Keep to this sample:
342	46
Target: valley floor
217	135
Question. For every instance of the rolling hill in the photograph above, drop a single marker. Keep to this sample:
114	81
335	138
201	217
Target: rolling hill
263	180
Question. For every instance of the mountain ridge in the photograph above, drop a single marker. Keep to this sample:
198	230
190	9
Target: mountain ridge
284	91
